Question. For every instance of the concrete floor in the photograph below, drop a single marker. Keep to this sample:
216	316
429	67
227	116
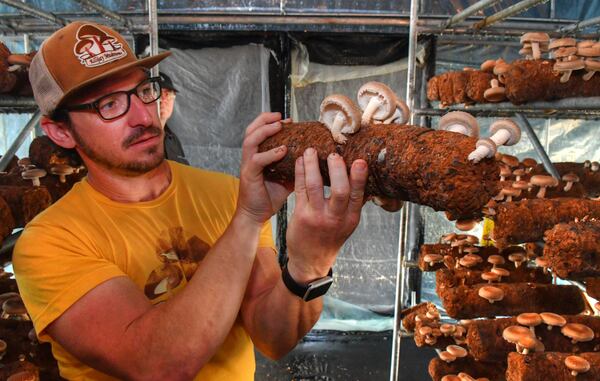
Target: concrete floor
347	356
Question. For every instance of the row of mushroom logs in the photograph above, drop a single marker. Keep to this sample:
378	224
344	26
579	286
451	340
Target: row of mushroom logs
377	103
572	55
524	337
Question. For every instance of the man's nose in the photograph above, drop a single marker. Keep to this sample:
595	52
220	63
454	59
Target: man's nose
140	114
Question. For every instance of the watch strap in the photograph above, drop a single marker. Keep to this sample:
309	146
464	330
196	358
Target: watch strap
313	289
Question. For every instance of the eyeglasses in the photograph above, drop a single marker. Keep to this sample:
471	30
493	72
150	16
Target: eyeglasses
115	105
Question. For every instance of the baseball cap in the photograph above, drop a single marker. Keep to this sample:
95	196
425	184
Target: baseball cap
166	83
76	56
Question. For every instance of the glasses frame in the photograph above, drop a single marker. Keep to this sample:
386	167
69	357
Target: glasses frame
95	104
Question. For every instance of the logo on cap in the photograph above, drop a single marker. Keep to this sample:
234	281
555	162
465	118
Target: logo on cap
95	47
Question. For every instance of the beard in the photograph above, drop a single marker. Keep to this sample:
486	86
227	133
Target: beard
155	155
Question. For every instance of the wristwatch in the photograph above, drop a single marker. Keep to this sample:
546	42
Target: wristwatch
314	289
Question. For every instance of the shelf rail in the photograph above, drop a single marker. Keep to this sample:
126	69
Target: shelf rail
35	12
505	13
109	14
579	25
471	10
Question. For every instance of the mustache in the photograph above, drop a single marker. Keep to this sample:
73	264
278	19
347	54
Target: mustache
139	132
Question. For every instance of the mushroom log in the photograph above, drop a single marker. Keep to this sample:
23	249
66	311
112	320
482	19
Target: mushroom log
483	300
527	220
439	368
552	366
410	163
486	343
573	249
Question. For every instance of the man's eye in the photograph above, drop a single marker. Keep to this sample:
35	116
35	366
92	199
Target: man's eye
108	105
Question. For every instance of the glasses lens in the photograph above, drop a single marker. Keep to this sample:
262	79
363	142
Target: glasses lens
149	91
113	105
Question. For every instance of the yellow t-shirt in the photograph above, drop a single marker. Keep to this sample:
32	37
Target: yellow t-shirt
85	239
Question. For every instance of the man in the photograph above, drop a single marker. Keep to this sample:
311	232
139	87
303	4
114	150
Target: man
168	92
152	270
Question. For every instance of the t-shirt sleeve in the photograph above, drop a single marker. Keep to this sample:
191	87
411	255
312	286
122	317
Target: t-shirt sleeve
54	268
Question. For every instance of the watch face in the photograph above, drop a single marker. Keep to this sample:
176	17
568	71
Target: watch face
318	288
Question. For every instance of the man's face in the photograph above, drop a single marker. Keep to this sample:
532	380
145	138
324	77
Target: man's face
131	144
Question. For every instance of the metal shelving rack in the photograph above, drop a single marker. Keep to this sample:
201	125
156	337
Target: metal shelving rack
463	28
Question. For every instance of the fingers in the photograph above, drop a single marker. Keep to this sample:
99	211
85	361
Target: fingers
299	184
358	180
259	135
262	119
312	179
340	186
259	161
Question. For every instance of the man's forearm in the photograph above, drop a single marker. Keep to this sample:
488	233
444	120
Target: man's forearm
279	319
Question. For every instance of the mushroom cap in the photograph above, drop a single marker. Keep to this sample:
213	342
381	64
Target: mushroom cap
516	257
565	52
505	171
433	258
560	42
3	346
535	37
496	259
512	127
586	43
449	237
500	271
577	363
529	342
569	65
14	306
501	68
550	318
489	275
461	118
521	185
24	375
592	51
447	328
570	177
384	93
474	257
510	191
529	162
519	172
447	356
33	173
465	225
62	169
471	250
578	332
451	377
488	66
491	293
513	333
510	160
457	351
468	262
597	306
592	65
495	94
471	239
425	330
543	181
530	319
489	143
335	103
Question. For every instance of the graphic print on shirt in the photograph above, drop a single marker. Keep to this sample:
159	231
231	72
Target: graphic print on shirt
180	253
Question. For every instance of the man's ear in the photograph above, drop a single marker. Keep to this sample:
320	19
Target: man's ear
58	132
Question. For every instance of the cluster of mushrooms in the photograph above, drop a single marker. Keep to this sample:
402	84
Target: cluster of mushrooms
462	376
523	336
570	54
30	172
377	103
431	329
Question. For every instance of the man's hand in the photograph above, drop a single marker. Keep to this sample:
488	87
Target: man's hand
319	226
260	199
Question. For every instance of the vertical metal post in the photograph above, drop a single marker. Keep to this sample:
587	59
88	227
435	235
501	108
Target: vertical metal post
538	146
410	92
153	32
26	43
5	159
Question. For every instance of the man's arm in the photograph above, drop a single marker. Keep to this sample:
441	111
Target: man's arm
275	318
114	328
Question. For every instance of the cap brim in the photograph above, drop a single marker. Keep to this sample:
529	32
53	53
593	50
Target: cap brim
147	63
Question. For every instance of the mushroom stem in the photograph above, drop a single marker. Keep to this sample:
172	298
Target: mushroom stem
500	137
36	181
542	192
587	76
336	128
374	104
565	77
535	47
62	178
